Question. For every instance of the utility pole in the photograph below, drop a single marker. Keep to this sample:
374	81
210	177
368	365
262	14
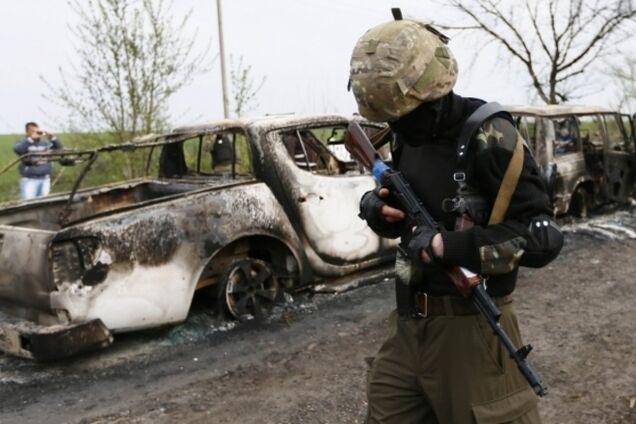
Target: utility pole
222	54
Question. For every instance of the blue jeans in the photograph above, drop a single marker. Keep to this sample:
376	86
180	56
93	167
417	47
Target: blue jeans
34	187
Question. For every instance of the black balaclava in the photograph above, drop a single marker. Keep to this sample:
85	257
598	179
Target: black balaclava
429	121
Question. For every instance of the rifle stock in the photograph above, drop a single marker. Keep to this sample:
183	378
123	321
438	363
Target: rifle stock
471	284
361	151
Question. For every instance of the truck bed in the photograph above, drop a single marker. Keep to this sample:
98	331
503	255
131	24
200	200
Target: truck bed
54	212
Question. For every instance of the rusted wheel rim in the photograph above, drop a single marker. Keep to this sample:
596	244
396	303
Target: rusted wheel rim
251	290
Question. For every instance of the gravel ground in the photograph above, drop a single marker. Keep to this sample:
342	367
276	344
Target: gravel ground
306	365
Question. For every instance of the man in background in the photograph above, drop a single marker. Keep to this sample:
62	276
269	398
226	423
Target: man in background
35	174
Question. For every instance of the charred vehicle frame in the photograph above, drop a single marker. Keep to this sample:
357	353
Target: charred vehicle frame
587	154
277	211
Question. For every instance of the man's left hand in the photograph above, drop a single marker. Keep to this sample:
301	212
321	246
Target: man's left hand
437	247
425	244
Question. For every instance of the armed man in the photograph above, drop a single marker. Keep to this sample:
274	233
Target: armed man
465	162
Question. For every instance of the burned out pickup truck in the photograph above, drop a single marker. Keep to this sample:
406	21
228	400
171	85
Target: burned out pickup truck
587	154
244	208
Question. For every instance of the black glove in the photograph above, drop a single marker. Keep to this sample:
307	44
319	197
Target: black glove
371	205
421	239
371	211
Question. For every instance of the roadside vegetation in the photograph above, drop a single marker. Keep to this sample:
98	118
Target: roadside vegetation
150	54
63	177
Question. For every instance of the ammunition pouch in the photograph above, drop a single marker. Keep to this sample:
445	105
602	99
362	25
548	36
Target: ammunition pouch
405	287
468	202
405	300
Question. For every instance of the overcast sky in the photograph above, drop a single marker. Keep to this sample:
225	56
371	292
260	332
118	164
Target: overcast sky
302	47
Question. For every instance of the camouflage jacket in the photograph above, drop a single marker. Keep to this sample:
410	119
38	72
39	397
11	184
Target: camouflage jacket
492	250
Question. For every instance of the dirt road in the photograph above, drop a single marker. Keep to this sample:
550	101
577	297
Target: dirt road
307	364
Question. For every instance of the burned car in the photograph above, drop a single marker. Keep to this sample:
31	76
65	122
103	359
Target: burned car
244	208
587	154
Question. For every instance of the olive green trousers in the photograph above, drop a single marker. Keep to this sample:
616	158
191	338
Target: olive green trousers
448	370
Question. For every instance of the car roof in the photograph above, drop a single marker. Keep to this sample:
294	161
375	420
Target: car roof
556	110
268	122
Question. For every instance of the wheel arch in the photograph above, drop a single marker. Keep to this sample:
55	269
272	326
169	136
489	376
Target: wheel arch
588	186
586	183
267	247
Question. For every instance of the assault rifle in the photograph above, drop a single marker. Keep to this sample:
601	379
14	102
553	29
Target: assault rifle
361	149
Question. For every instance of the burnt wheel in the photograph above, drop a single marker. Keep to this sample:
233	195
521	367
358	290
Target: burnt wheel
580	203
249	289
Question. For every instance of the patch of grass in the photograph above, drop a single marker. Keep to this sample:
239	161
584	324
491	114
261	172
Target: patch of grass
8	180
110	167
107	168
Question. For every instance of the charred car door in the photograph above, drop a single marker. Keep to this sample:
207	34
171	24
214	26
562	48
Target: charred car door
323	194
619	157
569	159
529	126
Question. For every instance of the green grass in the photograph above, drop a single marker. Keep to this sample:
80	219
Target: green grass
191	150
8	180
108	168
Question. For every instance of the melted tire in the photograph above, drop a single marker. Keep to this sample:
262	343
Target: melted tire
249	290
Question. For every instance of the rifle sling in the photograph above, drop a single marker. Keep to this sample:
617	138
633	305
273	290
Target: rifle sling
508	184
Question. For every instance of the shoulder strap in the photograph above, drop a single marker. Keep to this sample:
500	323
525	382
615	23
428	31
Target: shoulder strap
513	171
471	126
508	184
396	151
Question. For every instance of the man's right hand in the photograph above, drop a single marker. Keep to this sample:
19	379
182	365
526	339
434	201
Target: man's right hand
389	213
384	219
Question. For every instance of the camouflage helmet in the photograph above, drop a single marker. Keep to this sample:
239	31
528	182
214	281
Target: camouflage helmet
398	65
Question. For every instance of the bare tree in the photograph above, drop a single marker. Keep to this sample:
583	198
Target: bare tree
556	41
624	74
133	57
244	89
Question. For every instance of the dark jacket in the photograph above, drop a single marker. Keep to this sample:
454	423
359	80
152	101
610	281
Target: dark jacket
31	168
493	250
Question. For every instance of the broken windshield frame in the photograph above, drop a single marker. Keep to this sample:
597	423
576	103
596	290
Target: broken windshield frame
72	157
312	140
